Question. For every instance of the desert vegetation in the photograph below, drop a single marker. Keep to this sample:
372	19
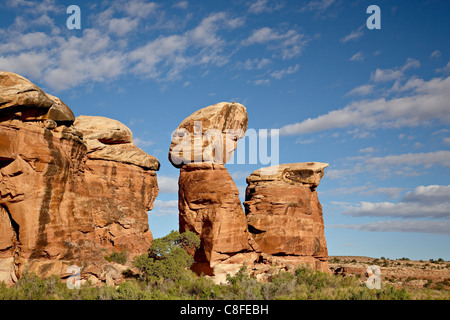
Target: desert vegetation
163	274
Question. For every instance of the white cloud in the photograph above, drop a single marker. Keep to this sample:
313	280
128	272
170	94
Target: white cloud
402	209
362	90
390	192
434	227
426	160
367	150
138	8
317	5
240	175
251	64
31	64
167	184
162	208
282	73
446	141
435	54
168	54
181	5
445	69
302	141
262	6
103	52
424	202
122	26
288	44
383	75
142	142
366	190
428	102
260	82
429	194
354	35
359	56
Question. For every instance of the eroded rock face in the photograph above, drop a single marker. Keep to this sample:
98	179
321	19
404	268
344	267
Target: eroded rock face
108	139
284	214
209	206
59	206
124	176
21	99
208	198
209	135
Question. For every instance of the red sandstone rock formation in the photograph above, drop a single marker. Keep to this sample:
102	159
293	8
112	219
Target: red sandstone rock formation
209	135
62	201
208	198
209	206
285	216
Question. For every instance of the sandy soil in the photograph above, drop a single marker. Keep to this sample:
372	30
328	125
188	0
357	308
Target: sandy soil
401	272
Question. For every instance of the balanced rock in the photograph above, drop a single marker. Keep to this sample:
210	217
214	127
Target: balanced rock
59	207
209	135
284	214
208	198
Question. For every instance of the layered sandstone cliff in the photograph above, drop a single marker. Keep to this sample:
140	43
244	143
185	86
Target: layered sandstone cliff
68	193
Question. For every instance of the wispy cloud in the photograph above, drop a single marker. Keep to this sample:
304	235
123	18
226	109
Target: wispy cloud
167	184
362	90
359	56
383	75
354	35
284	72
446	141
318	6
424	103
256	63
288	44
181	5
425	160
436	54
366	190
424	202
165	207
260	82
263	6
415	226
367	150
445	69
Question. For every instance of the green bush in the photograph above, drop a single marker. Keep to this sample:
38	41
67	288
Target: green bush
167	258
118	257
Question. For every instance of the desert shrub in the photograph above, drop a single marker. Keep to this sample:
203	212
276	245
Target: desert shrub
391	293
241	286
167	258
30	287
118	257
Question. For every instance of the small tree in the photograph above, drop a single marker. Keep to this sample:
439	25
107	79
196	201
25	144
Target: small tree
167	258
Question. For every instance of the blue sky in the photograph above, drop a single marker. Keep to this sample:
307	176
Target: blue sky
374	104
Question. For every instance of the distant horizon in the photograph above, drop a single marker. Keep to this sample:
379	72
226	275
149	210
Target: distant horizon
372	103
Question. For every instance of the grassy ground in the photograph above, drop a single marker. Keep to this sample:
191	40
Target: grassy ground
303	284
